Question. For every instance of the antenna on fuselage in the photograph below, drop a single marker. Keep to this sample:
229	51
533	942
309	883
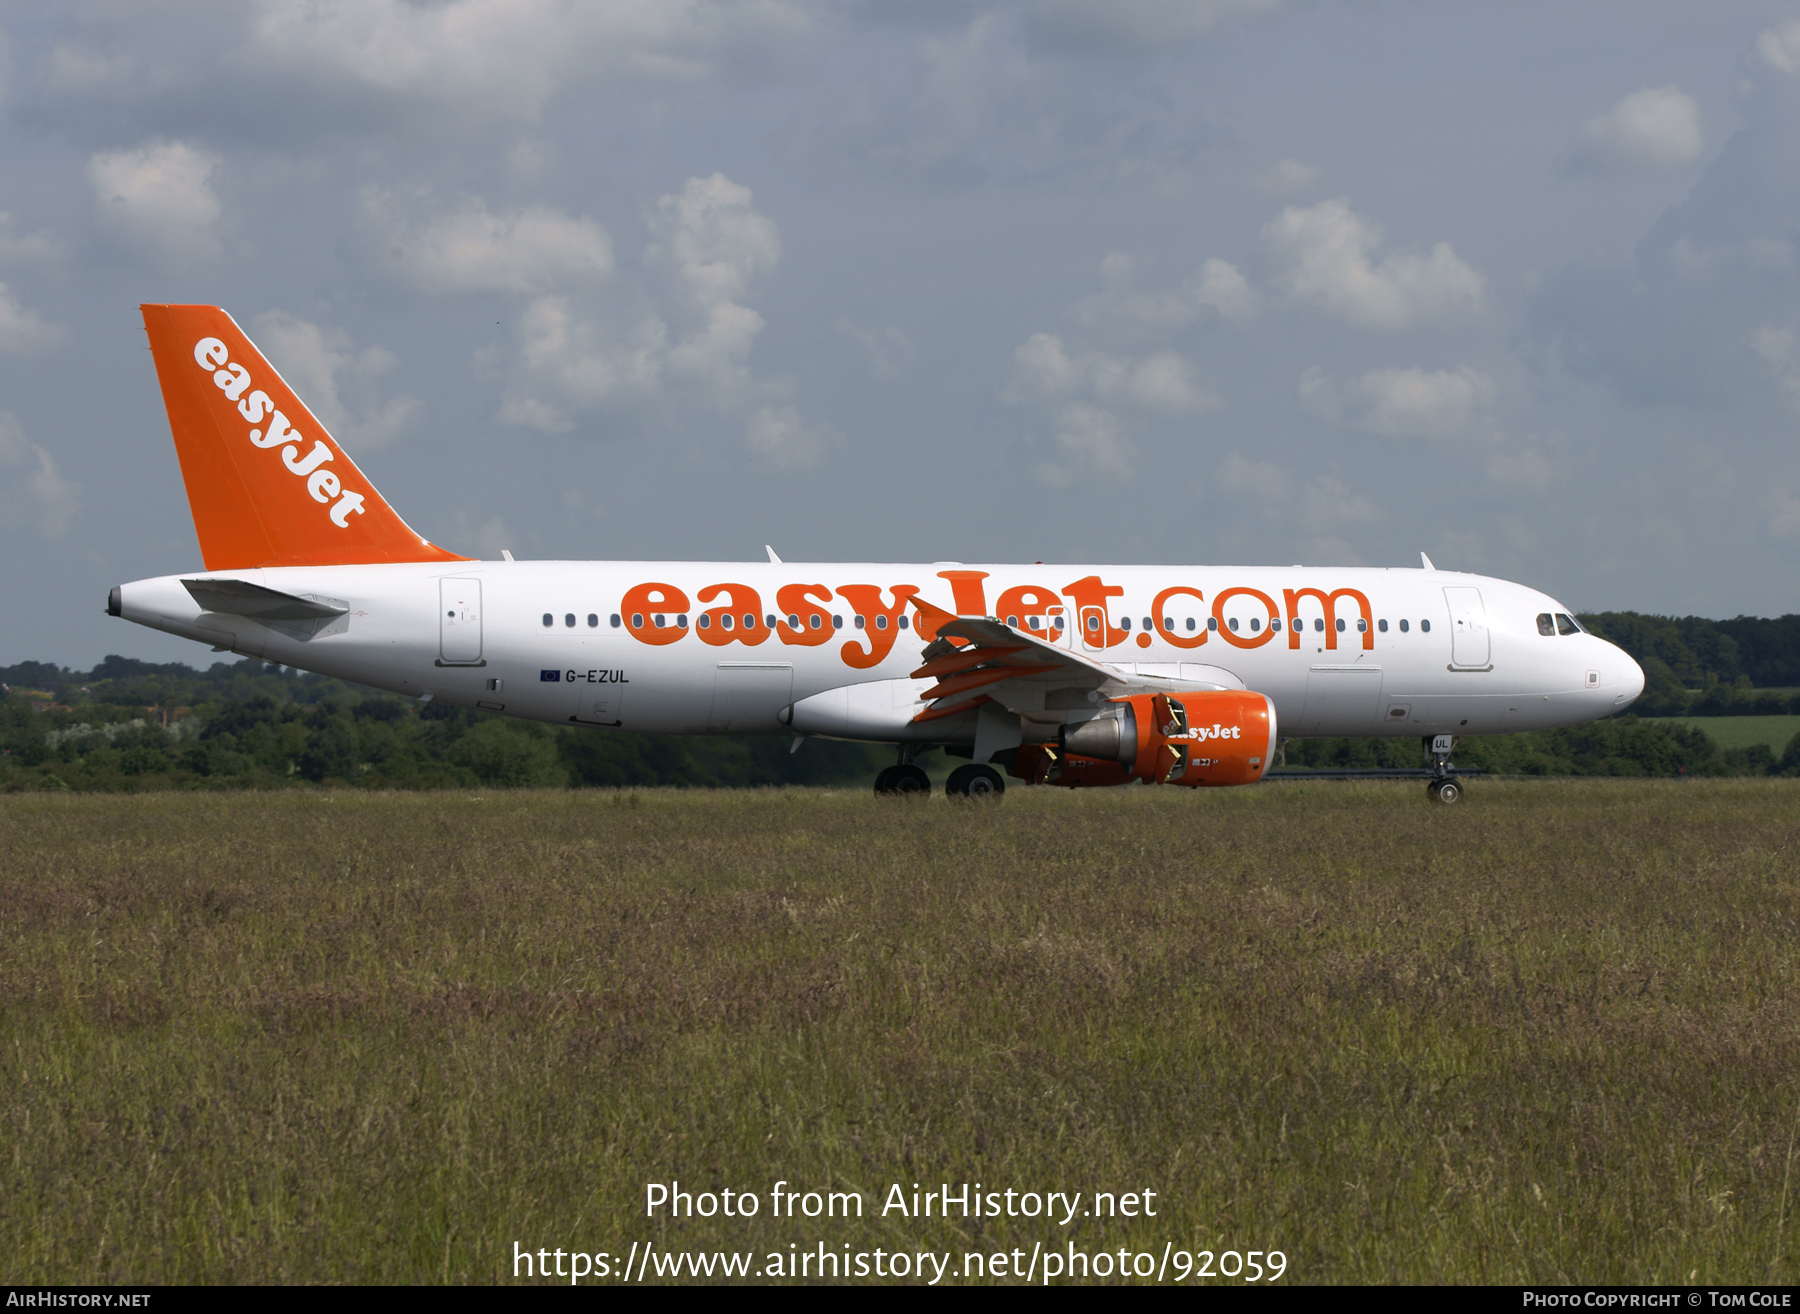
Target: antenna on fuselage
773	559
1427	561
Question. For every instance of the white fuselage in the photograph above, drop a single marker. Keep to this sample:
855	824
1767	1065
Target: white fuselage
1442	652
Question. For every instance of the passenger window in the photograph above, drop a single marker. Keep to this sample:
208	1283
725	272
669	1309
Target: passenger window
881	622
906	623
1012	622
837	622
1319	625
705	621
1190	622
637	620
593	621
569	620
724	621
1340	625
1033	622
859	621
749	620
1425	626
549	620
1147	624
1275	624
1567	625
659	620
1405	626
1093	622
1125	623
769	621
814	621
1232	621
1382	626
681	620
794	622
615	620
1362	626
1255	624
1546	626
1212	623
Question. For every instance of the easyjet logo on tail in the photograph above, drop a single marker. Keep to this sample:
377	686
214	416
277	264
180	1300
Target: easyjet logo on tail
322	484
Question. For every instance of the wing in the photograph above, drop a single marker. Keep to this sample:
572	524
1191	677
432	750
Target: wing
980	659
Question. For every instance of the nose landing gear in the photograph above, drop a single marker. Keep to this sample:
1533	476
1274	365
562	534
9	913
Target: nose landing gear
1443	786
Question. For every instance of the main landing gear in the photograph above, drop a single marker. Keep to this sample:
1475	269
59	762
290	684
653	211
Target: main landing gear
903	777
1443	787
974	780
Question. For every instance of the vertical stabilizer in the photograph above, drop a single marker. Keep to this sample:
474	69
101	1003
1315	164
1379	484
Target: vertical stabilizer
266	484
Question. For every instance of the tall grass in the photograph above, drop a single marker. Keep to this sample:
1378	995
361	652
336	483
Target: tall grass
1547	1035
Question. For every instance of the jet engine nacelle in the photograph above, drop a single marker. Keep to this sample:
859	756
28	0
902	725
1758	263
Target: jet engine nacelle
1212	738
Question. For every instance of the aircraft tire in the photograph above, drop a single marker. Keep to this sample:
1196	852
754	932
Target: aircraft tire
908	780
884	780
1445	791
975	781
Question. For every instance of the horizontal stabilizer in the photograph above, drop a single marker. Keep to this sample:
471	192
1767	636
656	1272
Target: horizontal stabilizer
241	598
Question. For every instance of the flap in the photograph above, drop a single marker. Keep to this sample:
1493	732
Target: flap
977	659
241	598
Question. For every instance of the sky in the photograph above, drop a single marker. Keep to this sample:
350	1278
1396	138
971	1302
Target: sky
1112	281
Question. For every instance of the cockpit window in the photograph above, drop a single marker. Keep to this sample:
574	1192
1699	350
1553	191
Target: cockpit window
1566	625
1546	626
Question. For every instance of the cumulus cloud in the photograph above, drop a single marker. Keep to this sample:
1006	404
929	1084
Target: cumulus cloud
1286	178
709	247
784	438
1780	46
1263	480
33	493
1408	403
1162	382
1644	132
888	351
471	249
1325	257
1216	286
1129	27
1779	348
1091	445
678	336
21	331
339	384
159	195
512	56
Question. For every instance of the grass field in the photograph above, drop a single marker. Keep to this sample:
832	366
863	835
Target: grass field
1549	1035
1739	731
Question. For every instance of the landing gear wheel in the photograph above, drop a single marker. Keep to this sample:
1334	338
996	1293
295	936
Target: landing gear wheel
906	780
974	781
1444	791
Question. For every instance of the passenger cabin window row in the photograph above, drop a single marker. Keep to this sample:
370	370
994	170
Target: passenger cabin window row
748	620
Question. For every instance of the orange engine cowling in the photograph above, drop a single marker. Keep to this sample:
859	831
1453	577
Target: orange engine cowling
1213	738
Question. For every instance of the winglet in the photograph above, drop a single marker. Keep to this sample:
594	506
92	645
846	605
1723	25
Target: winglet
267	485
1427	561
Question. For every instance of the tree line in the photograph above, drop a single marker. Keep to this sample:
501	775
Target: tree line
129	724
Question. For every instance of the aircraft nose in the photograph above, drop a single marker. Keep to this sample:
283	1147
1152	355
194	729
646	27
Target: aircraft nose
1631	682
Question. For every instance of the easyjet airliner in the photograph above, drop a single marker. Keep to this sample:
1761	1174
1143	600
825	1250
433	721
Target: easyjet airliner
1063	675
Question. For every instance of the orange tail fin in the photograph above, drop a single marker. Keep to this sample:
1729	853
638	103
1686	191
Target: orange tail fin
267	485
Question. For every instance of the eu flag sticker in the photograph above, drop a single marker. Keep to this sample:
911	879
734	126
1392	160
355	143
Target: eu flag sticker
549	677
